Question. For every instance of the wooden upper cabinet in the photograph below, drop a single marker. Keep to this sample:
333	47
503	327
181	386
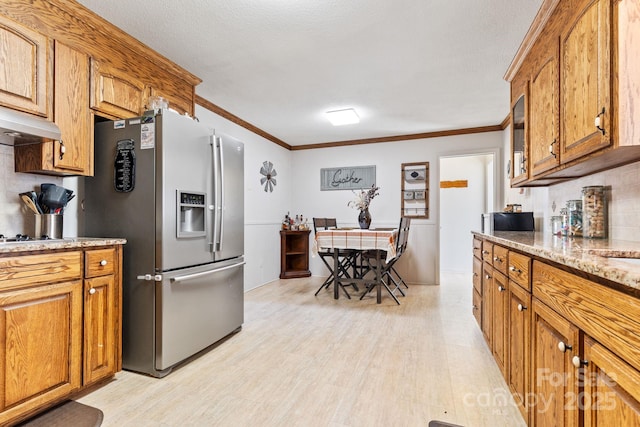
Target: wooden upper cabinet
585	79
73	153
117	94
25	79
519	131
71	111
543	114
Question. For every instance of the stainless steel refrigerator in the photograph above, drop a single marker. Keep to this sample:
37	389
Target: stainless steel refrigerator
175	191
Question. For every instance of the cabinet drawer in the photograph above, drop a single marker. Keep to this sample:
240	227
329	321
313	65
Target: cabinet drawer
500	259
477	248
99	262
477	275
477	307
609	316
520	269
28	270
487	252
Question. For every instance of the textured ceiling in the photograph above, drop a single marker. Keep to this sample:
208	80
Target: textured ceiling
406	66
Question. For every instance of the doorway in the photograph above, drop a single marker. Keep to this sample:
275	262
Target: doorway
467	190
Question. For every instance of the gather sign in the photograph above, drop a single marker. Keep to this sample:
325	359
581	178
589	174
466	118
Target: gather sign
347	178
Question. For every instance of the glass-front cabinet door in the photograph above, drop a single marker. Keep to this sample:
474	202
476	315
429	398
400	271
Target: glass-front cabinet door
519	158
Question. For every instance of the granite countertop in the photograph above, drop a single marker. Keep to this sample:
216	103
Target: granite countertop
64	243
593	256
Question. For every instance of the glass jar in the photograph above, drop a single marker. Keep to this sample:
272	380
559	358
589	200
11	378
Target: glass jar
565	222
574	213
556	225
594	203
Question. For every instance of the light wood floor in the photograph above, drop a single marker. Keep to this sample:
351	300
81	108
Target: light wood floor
302	360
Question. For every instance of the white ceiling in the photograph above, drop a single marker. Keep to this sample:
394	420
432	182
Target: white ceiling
406	66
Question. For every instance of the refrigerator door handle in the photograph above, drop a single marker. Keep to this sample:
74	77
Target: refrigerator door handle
213	232
221	196
206	273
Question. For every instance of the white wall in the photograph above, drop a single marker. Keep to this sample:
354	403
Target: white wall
420	263
461	208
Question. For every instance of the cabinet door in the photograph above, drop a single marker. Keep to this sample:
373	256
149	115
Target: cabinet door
518	368
73	154
585	81
611	389
554	386
114	92
487	303
72	114
519	133
40	329
499	323
543	115
99	328
25	79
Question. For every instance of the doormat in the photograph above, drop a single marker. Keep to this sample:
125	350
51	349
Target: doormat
70	413
442	424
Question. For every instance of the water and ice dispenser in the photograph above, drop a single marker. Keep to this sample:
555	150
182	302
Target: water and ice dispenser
191	214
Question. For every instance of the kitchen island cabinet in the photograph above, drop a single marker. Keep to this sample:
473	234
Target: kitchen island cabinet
60	321
574	329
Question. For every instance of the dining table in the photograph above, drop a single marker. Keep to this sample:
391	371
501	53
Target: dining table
380	240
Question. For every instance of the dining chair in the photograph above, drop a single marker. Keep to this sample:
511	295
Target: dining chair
386	269
345	257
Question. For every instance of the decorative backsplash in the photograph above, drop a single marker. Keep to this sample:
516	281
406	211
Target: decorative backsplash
15	217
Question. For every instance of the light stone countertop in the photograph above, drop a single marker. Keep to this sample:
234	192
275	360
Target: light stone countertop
592	256
64	243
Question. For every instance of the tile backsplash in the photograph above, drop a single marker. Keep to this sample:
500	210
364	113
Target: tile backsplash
623	198
15	217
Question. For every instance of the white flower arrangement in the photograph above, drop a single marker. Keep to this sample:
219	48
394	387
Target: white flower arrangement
364	198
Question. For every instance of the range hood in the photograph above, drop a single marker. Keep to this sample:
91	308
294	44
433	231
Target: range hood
21	128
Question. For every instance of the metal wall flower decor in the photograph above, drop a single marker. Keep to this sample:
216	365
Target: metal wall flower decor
268	173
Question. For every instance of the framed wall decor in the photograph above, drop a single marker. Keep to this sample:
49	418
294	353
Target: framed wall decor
415	190
347	178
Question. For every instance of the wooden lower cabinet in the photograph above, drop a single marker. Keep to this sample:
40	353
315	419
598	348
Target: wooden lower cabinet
611	388
568	346
500	337
60	326
41	348
519	347
554	385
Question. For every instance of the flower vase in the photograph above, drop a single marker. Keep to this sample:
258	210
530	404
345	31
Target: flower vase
364	219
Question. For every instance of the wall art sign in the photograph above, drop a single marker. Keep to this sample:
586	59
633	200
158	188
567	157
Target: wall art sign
347	178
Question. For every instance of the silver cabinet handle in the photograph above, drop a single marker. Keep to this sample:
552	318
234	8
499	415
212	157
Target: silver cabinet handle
103	262
487	277
564	347
501	288
485	252
515	270
521	307
92	291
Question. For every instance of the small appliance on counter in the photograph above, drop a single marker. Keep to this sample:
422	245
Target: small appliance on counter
507	221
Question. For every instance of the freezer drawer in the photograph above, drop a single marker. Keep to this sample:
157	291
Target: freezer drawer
196	307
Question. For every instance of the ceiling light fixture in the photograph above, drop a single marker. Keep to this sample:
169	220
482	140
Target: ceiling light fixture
343	117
